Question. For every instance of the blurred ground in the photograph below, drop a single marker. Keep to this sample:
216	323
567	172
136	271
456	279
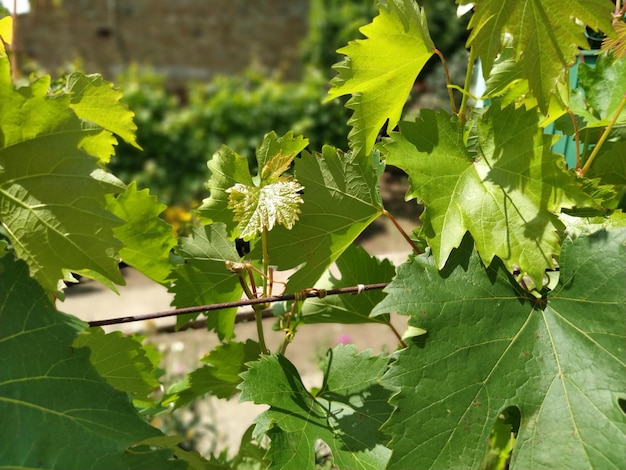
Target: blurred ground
221	424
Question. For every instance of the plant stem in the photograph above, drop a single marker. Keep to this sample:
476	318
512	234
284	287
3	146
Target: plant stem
397	334
266	260
258	309
467	84
258	317
603	138
448	81
401	230
238	303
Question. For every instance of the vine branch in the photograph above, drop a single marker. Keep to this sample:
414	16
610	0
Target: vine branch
239	303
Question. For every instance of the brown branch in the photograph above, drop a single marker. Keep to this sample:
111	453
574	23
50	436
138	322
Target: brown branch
239	303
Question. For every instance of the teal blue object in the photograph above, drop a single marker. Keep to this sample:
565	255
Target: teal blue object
566	145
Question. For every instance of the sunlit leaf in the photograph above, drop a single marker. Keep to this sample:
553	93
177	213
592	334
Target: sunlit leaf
52	194
546	39
508	198
616	45
248	205
341	198
147	239
6	33
275	154
96	100
261	208
378	79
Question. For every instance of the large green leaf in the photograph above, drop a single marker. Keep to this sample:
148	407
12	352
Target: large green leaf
341	198
204	278
545	37
147	239
380	71
507	198
55	410
559	360
345	413
52	194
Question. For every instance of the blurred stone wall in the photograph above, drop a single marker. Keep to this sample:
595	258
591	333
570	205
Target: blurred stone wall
183	39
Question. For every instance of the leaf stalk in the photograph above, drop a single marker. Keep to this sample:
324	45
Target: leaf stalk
603	138
448	81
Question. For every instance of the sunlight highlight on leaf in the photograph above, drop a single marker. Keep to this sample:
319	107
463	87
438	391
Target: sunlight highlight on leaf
257	209
380	81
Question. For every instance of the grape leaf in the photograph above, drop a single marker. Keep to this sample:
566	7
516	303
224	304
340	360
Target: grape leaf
261	208
604	88
122	361
57	412
345	414
545	40
559	360
355	267
380	81
148	240
95	100
52	194
221	376
230	170
204	279
507	198
341	198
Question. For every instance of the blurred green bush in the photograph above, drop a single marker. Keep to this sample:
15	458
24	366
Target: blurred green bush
179	132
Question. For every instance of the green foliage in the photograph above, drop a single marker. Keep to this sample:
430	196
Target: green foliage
220	376
52	191
345	413
354	267
519	225
340	200
401	28
147	239
203	278
57	411
491	346
122	361
545	40
515	345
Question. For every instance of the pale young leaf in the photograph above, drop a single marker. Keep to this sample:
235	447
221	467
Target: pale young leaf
261	208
